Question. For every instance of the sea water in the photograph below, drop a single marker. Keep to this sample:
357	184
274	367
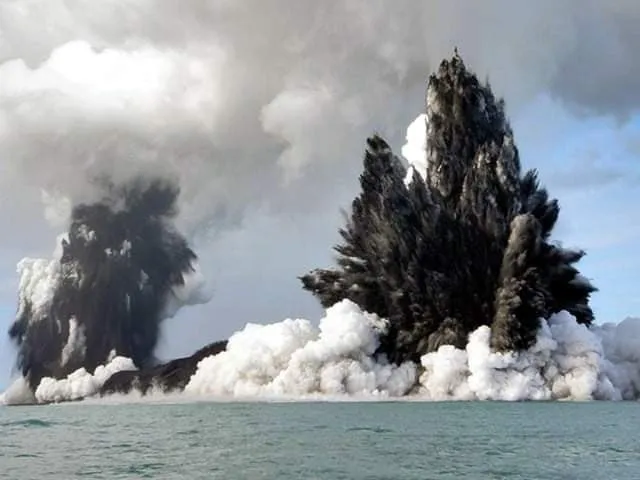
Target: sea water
339	440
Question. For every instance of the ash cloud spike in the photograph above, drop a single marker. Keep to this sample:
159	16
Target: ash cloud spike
120	265
465	246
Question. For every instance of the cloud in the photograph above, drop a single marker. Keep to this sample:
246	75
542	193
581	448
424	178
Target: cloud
592	171
598	75
276	90
632	142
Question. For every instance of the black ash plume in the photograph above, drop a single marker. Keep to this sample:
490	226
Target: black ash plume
466	246
119	264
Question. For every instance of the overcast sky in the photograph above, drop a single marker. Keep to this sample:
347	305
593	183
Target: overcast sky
261	109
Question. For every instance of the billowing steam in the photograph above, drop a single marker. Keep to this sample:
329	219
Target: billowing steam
295	359
121	269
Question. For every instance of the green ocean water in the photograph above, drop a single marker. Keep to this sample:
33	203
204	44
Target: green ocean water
348	440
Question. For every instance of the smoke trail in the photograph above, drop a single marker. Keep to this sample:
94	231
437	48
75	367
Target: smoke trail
121	269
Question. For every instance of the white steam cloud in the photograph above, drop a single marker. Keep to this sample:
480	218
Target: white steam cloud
38	278
194	290
415	148
568	362
80	384
293	359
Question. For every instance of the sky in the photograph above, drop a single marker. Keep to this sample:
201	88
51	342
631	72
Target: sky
260	109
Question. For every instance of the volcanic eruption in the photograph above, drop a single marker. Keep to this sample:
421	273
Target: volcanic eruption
448	285
466	243
122	268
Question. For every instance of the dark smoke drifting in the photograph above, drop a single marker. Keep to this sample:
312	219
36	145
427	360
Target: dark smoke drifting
120	269
466	243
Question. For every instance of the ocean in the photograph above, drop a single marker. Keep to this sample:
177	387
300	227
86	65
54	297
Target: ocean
321	440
